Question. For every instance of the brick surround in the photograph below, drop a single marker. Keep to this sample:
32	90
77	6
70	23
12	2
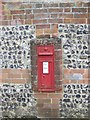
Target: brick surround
58	60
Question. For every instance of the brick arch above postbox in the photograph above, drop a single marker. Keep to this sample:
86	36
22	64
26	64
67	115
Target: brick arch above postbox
56	42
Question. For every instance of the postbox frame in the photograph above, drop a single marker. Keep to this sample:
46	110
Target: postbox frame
45	53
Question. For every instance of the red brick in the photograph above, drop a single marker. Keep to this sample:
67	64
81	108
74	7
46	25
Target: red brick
7	17
54	113
56	100
1	77
47	30
55	20
39	21
75	20
82	10
5	70
5	22
5	75
86	81
28	21
66	16
18	81
51	5
39	32
60	15
1	17
40	16
54	31
55	35
57	77
29	16
5	12
15	5
80	81
26	71
88	15
43	26
0	8
50	106
67	9
67	4
41	95
24	6
44	100
0	71
1	81
80	15
38	5
89	10
68	81
40	11
77	71
17	11
87	4
58	82
15	71
54	15
25	76
44	36
67	20
89	82
88	21
86	75
78	21
57	55
73	81
17	21
14	75
55	10
28	11
19	16
61	76
54	95
66	71
6	81
81	4
54	28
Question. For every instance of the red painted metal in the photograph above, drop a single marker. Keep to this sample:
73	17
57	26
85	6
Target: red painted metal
46	68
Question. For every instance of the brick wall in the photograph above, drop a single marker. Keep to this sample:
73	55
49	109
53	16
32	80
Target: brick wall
46	17
15	76
0	9
43	15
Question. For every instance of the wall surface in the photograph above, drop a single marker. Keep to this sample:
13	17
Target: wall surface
75	102
55	1
17	101
22	21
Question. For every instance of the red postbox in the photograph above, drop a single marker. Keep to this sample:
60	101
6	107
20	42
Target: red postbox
46	68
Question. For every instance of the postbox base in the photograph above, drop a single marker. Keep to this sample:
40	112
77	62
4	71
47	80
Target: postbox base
46	90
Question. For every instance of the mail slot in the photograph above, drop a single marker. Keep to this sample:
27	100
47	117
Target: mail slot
46	68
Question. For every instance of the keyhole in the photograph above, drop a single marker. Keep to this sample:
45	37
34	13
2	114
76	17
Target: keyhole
43	76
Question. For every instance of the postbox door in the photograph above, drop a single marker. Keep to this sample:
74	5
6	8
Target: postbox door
46	73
